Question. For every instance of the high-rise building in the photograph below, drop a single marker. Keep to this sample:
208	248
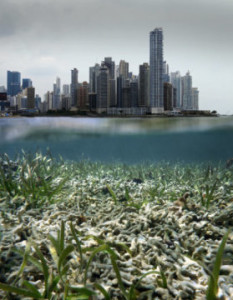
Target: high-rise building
30	97
74	86
26	82
66	89
134	93
168	96
187	102
83	96
48	99
13	83
103	90
166	77
120	81
93	74
156	70
57	94
112	83
110	65
125	97
175	80
144	72
38	102
124	69
195	98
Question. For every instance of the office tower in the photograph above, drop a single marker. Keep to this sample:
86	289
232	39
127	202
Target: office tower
66	89
125	97
37	101
175	80
13	83
30	97
83	101
57	94
168	96
187	91
26	82
92	98
110	65
166	77
124	69
48	98
120	81
103	90
174	97
74	86
93	74
134	93
156	70
195	98
112	84
144	72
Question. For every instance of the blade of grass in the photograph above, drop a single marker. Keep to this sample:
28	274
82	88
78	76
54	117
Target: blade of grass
78	245
32	288
64	255
103	291
19	291
112	194
212	290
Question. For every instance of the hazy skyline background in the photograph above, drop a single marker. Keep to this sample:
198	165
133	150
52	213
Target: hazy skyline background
44	39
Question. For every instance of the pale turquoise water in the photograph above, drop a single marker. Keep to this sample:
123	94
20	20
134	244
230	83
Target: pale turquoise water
132	140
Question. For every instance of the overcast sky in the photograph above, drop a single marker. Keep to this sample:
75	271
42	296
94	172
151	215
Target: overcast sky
44	39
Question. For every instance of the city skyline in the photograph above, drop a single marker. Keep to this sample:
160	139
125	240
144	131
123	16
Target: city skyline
44	41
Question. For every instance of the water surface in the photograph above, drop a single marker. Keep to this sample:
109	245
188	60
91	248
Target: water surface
132	140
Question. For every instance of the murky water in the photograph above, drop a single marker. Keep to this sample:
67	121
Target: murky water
133	140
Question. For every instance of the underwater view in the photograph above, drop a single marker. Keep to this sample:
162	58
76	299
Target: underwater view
116	208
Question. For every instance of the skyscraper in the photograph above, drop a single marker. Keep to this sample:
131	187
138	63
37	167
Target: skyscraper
74	86
110	65
13	83
103	90
26	83
66	89
156	70
83	96
195	98
31	97
124	69
187	92
57	94
175	79
93	74
144	71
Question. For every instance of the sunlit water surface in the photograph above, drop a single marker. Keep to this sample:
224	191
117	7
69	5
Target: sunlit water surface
133	140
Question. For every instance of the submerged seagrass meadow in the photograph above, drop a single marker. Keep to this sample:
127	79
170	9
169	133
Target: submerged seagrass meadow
88	230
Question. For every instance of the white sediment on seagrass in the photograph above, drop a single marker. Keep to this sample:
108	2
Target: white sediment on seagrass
177	241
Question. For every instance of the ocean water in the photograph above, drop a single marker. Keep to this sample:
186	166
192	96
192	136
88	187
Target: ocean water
122	140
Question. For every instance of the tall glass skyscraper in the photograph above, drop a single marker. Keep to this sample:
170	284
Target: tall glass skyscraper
156	70
74	87
13	83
